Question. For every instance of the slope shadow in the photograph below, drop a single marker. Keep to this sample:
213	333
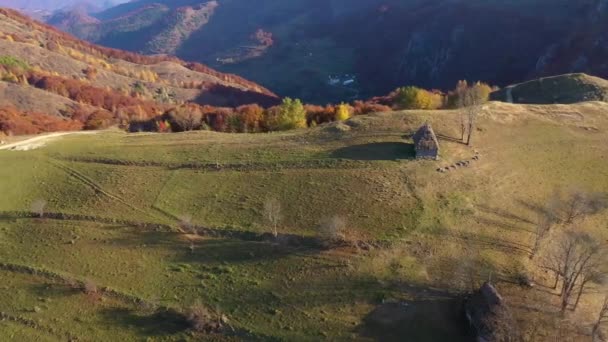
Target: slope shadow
376	151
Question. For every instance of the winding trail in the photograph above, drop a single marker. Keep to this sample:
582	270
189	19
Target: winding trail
40	141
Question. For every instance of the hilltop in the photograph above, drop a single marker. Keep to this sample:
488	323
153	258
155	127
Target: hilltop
52	73
379	44
566	89
115	257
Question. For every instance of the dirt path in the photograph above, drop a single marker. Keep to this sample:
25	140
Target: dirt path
39	141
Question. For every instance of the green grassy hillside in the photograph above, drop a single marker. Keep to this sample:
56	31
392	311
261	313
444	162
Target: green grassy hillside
114	203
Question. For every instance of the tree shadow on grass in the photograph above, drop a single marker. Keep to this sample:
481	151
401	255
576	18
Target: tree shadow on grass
376	151
438	319
208	250
159	323
48	289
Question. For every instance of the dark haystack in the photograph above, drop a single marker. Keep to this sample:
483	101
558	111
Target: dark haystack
490	317
425	141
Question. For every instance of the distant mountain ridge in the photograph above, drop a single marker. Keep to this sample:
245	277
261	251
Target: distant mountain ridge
53	5
382	43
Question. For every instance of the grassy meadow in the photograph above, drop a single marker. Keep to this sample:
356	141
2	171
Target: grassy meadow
115	201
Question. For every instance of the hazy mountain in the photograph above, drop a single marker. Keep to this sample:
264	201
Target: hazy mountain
53	5
294	47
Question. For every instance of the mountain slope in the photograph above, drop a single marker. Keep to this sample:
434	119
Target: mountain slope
385	43
123	86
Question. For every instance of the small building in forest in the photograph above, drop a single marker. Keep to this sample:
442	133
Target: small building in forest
426	143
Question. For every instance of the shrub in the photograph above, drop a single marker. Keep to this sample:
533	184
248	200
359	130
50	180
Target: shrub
13	62
416	98
367	107
90	73
163	126
99	119
38	207
317	114
89	287
201	319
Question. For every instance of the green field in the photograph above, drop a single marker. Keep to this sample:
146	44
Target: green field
115	201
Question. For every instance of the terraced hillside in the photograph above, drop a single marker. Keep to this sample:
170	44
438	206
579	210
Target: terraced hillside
97	231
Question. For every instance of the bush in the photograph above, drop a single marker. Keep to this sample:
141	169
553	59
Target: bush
416	98
201	319
316	115
99	119
367	107
13	62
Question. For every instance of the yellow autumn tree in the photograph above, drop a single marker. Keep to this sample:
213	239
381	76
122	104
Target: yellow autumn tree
343	112
416	98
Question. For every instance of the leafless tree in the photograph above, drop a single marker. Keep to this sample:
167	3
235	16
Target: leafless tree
38	207
185	223
272	214
89	287
594	274
201	319
470	101
461	89
543	227
578	204
602	318
575	259
333	229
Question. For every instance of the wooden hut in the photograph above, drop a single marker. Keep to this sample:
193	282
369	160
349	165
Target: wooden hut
490	317
426	143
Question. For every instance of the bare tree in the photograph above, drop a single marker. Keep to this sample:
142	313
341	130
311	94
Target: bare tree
470	101
579	204
594	274
38	207
185	223
89	287
461	89
333	229
574	258
543	227
602	318
272	214
201	319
